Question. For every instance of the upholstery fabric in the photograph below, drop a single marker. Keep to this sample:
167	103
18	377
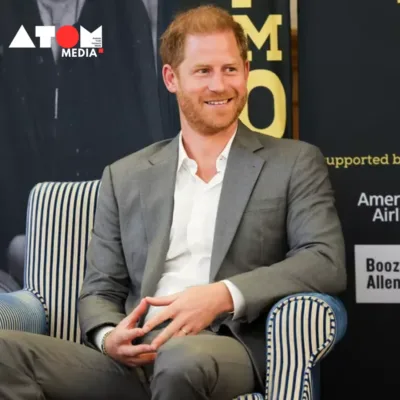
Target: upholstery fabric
60	219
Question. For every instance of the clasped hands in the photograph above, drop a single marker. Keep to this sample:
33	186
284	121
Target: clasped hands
190	312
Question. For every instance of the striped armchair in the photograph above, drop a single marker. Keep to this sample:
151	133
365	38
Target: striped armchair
300	329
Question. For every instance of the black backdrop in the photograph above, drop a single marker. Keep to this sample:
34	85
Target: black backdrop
349	85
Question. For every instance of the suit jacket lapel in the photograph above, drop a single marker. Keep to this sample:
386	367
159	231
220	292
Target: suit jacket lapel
157	187
242	170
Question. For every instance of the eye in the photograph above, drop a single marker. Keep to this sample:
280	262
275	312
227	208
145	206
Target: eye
231	69
202	71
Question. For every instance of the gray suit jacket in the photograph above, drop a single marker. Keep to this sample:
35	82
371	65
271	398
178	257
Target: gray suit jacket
277	232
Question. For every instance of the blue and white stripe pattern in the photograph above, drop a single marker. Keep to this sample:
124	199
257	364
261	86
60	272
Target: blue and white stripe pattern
301	330
59	224
22	311
253	396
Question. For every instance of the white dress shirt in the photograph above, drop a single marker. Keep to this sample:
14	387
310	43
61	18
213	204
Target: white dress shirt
192	233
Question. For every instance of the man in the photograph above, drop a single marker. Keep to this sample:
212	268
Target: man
194	241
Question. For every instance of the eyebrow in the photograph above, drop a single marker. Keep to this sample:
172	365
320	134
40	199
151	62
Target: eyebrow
199	66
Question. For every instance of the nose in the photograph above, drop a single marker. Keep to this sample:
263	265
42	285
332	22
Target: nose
217	83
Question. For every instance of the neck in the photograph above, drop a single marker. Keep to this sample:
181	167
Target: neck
205	149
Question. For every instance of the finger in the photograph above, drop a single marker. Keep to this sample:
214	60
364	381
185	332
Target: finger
141	360
181	333
131	334
146	357
157	320
135	315
130	351
162	301
167	333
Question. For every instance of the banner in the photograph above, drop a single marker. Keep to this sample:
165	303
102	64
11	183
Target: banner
68	111
349	84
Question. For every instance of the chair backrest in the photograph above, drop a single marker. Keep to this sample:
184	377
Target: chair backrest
60	219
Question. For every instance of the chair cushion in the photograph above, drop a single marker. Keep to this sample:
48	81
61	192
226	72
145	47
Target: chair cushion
8	283
59	223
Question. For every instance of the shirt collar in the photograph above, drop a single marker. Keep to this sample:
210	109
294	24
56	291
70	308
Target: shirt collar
221	159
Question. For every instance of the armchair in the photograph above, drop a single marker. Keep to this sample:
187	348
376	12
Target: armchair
301	329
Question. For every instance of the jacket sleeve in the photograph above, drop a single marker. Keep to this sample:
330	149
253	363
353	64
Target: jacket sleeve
106	284
315	261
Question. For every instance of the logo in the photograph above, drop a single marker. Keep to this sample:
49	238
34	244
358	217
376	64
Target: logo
67	38
377	270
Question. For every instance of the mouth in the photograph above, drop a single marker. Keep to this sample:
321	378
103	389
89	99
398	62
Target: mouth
219	103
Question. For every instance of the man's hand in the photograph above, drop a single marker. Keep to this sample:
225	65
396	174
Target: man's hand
118	343
190	311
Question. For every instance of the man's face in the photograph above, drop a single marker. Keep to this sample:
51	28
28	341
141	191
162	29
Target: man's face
211	82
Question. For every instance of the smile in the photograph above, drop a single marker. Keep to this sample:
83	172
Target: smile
218	103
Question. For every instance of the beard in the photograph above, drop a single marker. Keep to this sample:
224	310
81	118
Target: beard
206	120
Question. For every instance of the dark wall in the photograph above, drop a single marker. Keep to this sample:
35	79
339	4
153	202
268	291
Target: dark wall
108	106
349	84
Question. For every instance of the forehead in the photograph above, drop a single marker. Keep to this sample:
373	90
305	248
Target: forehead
207	48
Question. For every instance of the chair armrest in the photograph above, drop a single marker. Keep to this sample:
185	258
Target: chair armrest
301	330
22	311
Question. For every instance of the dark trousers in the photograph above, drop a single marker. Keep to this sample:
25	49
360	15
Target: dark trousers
205	366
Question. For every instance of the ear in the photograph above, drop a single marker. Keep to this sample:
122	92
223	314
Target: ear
246	69
170	78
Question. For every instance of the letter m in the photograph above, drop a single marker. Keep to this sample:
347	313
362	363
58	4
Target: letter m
66	52
91	40
269	29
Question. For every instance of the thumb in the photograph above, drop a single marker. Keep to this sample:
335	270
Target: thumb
162	301
135	315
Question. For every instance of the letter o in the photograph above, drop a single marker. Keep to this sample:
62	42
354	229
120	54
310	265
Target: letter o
271	81
388	266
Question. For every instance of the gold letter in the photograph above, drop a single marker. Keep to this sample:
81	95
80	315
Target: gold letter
241	3
271	81
396	159
270	29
